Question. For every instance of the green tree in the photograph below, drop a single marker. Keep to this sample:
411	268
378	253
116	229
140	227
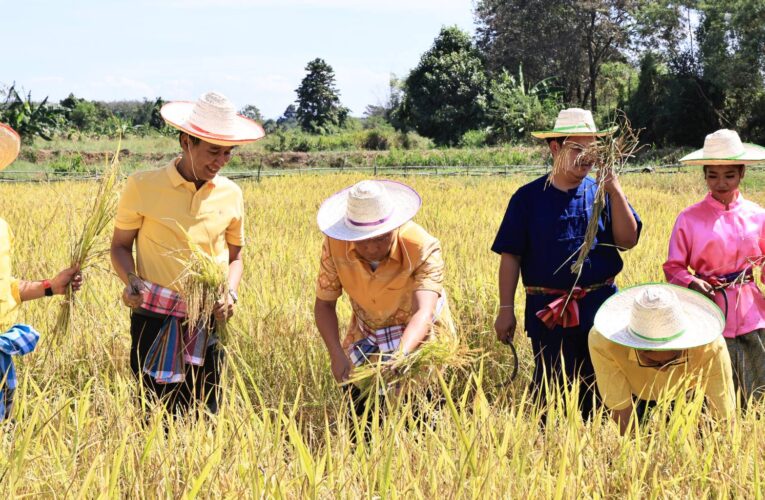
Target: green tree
319	110
252	112
445	95
288	119
30	119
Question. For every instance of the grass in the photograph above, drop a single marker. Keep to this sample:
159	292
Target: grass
282	432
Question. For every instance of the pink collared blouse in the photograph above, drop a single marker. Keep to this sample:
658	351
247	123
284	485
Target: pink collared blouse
713	241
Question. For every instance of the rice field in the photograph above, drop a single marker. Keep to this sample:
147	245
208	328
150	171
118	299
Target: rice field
79	430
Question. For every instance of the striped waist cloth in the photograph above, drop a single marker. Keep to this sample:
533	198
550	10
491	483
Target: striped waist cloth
563	310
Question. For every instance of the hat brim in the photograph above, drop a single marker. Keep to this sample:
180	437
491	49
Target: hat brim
177	113
752	154
583	132
705	321
10	145
331	216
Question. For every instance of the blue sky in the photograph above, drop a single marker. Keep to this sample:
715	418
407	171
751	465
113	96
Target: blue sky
253	51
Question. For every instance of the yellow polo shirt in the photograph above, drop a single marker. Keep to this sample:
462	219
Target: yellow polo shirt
384	297
157	202
619	376
9	286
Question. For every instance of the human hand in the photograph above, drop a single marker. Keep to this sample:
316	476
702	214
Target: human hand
341	366
702	287
505	325
224	308
610	180
132	295
69	276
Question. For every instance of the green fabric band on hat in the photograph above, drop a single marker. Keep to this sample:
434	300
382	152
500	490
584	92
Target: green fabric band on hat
650	339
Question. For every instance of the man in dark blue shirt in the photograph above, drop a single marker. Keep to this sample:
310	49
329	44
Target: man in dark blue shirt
540	237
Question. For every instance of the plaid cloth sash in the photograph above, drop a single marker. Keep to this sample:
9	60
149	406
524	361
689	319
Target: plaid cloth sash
564	310
383	341
18	341
176	343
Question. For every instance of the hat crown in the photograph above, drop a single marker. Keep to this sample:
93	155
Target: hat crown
575	119
214	112
369	205
657	315
723	144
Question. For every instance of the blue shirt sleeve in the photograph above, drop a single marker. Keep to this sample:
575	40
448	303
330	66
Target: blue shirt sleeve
512	236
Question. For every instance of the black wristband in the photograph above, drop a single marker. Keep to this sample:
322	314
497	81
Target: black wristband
48	289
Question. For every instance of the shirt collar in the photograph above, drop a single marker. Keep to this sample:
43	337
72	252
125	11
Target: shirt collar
176	179
710	200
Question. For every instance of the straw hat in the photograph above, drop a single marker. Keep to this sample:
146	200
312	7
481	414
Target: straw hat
10	143
724	147
213	119
367	209
573	122
660	317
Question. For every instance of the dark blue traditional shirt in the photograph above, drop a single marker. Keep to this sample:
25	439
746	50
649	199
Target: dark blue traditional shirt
545	227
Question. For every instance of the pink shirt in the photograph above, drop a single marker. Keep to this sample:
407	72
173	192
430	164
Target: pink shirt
713	241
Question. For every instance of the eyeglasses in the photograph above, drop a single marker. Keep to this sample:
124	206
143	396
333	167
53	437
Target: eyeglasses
682	358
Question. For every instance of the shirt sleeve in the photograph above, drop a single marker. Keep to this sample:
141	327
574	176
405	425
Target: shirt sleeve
720	393
512	236
235	230
678	257
328	286
128	209
429	275
612	382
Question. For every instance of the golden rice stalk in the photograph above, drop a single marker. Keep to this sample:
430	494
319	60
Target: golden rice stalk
609	155
90	244
436	354
202	283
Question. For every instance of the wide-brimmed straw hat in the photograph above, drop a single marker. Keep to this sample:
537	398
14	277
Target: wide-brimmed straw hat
724	147
10	144
660	317
367	209
574	122
213	119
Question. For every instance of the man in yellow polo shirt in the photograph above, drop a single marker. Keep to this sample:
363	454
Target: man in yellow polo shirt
157	210
657	341
391	269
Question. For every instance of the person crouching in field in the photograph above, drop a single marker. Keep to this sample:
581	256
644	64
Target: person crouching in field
540	237
658	341
391	269
19	339
161	211
722	239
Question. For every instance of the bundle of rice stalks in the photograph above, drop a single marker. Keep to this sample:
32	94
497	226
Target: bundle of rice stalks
202	284
434	355
609	155
90	245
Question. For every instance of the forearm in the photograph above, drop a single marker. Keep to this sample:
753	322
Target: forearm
122	262
509	272
31	290
417	331
326	321
624	225
235	270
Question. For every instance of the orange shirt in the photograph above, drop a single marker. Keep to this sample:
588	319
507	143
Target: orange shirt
384	297
160	202
9	286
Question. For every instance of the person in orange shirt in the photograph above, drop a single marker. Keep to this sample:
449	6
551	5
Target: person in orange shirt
391	269
160	211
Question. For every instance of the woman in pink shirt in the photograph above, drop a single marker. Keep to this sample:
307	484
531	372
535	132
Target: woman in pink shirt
721	239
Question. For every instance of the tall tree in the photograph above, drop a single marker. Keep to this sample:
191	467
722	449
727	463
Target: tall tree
445	95
319	108
567	39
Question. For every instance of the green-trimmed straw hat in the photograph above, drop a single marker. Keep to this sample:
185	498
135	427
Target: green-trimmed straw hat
724	147
659	317
574	122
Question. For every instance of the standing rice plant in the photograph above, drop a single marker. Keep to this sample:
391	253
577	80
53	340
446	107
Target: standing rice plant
202	283
90	245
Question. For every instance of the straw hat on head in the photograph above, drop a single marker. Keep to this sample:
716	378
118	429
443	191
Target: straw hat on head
367	209
574	122
10	144
724	147
213	119
659	317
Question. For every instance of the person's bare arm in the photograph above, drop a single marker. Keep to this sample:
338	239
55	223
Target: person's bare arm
325	315
121	252
623	223
418	328
509	272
